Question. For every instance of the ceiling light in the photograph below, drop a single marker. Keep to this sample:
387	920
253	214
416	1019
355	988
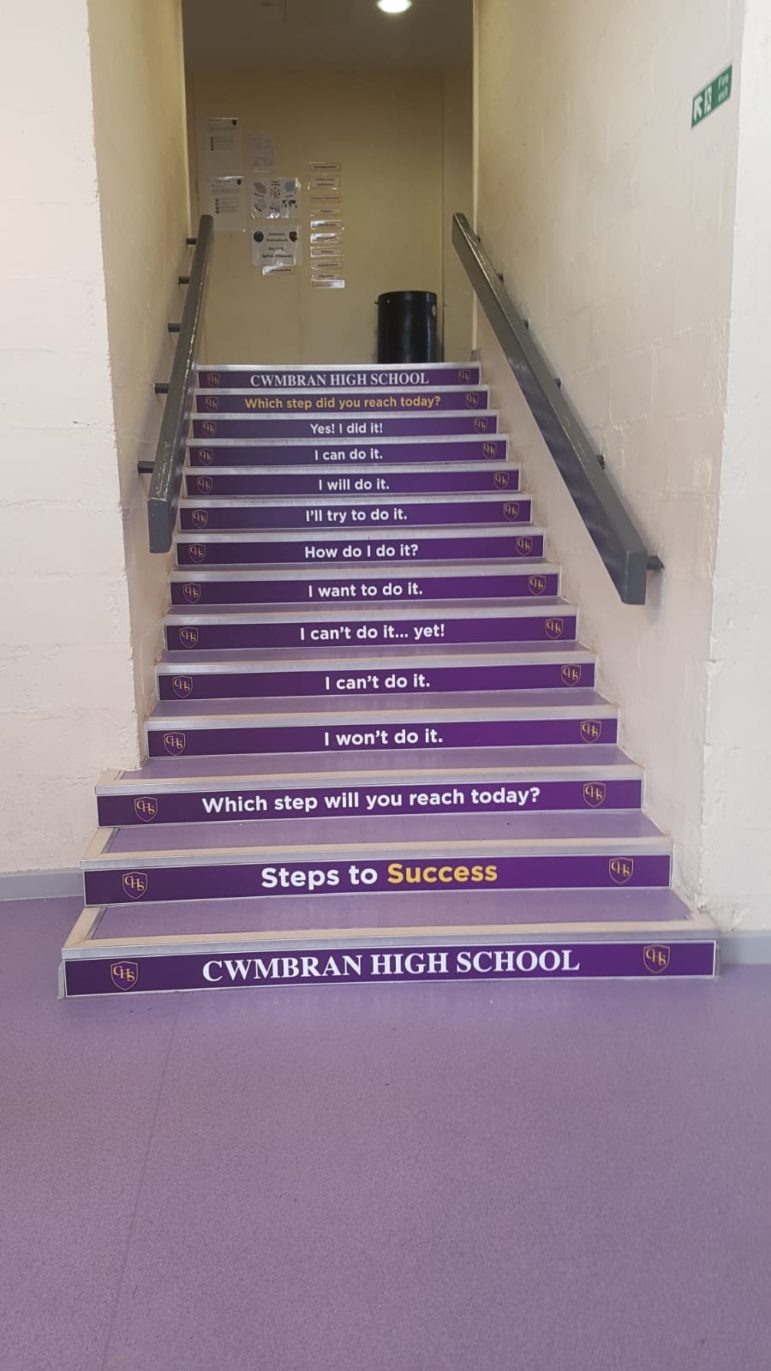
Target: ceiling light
394	6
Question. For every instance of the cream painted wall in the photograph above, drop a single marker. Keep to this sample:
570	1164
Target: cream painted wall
405	147
736	879
141	153
612	222
67	698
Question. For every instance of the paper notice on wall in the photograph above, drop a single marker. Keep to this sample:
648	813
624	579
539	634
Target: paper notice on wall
275	197
276	249
327	278
324	183
222	145
227	203
263	158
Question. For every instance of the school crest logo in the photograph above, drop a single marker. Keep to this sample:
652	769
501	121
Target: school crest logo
191	593
174	743
134	884
211	401
501	479
595	793
188	637
210	379
523	546
554	628
489	450
480	426
204	484
571	675
621	870
182	686
146	808
536	584
205	456
197	552
124	975
200	518
209	428
591	731
464	377
656	958
511	510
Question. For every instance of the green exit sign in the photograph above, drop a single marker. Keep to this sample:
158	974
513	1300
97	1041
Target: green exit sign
708	99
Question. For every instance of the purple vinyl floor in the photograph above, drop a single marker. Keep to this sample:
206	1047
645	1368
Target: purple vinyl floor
414	1178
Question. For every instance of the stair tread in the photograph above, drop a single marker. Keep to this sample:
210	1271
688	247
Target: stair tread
368	766
364	468
431	909
426	497
536	566
349	609
406	533
431	832
451	705
450	654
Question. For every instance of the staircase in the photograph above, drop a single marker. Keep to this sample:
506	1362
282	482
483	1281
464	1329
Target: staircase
378	751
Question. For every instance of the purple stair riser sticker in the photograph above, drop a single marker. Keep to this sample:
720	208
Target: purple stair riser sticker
318	592
199	486
206	742
529	629
321	430
469	961
354	516
379	876
328	802
386	549
393	681
350	454
386	376
364	402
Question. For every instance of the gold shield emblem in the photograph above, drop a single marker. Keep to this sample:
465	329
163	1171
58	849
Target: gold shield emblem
523	546
124	975
501	479
472	399
209	428
197	552
205	457
480	425
191	593
188	637
134	884
201	518
182	686
595	793
536	585
591	731
554	628
211	401
204	484
571	675
210	379
511	510
174	743
489	449
146	808
621	869
656	959
464	377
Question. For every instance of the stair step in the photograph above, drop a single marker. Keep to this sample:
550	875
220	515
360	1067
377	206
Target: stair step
362	545
243	426
370	479
323	403
522	718
313	513
339	451
309	377
462	581
146	799
442	622
397	855
230	673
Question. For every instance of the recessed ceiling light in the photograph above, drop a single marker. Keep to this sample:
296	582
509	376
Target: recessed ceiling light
394	6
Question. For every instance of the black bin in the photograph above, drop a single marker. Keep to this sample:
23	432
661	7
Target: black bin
406	326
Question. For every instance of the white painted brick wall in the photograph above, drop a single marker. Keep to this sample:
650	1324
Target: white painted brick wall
736	878
77	356
612	222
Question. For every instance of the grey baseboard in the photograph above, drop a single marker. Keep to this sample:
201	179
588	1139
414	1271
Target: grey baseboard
745	949
40	885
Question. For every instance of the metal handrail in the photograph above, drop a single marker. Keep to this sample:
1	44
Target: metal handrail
163	496
611	529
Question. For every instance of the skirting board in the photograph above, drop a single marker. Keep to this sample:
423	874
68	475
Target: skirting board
40	885
745	949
